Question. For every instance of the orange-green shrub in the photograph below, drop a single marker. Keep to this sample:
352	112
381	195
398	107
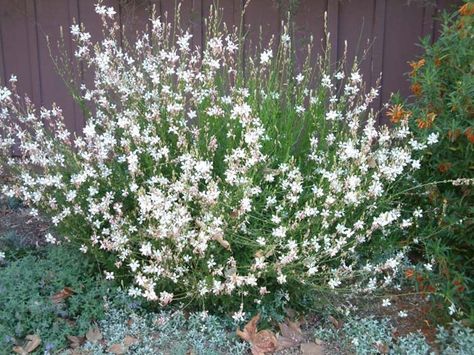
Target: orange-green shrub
442	84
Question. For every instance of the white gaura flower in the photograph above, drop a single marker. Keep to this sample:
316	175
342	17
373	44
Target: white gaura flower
266	56
50	239
334	282
239	316
433	138
402	314
165	298
452	309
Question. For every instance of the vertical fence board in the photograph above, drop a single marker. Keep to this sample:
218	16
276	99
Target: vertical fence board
33	54
309	21
195	18
3	74
262	20
377	57
16	49
400	45
441	5
428	20
51	15
356	29
333	27
134	17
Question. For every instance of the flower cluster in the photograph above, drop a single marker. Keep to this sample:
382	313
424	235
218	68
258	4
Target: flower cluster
194	182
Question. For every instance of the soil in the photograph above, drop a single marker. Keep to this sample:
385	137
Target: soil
18	228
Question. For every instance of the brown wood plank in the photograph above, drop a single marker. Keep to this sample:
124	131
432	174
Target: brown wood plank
134	17
196	19
3	78
51	15
19	56
309	21
262	21
356	30
377	53
428	20
32	39
402	34
333	27
237	8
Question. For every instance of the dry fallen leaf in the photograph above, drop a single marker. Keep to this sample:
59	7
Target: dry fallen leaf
395	333
262	341
94	335
19	350
75	341
250	329
220	239
129	341
382	348
60	296
33	342
78	352
118	349
291	313
291	334
311	349
337	324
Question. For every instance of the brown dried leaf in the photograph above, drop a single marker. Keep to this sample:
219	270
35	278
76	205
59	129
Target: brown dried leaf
382	348
291	334
94	335
395	333
129	341
262	341
33	342
311	349
290	313
250	329
220	239
19	350
75	342
336	323
118	349
60	296
291	330
78	352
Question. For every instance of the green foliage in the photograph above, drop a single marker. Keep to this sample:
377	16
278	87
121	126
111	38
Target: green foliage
373	336
459	340
443	84
26	287
169	333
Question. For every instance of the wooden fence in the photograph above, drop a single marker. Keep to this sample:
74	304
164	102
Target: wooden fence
393	27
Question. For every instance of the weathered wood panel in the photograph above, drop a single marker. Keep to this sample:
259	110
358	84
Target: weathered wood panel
391	27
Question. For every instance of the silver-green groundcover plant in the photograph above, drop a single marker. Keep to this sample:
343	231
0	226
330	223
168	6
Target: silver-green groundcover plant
198	181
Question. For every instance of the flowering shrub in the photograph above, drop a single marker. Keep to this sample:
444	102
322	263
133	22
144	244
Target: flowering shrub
193	182
443	85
